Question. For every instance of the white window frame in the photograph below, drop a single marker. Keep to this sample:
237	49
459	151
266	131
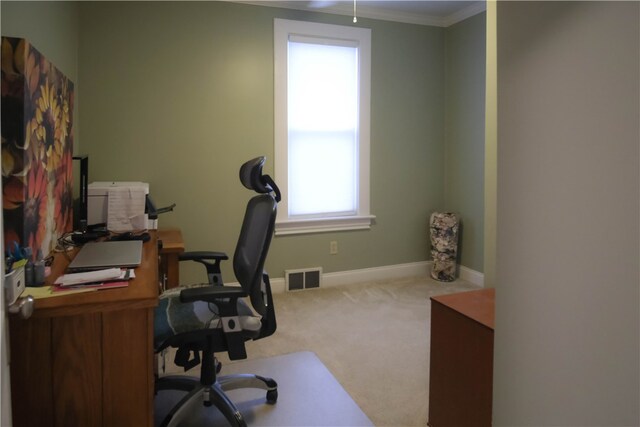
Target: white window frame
362	219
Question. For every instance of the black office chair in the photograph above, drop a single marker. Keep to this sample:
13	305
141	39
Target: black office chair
200	320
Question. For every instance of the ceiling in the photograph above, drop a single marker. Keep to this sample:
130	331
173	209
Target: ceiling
423	12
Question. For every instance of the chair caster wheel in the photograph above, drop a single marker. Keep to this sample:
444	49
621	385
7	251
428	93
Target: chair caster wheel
272	396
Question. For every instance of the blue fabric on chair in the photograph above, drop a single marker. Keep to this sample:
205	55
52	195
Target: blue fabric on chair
173	317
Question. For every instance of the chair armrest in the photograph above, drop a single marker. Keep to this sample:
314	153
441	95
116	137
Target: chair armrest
212	293
214	274
201	255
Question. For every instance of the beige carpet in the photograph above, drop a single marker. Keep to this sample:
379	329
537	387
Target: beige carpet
373	337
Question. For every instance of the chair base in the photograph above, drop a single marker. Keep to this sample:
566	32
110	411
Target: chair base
199	393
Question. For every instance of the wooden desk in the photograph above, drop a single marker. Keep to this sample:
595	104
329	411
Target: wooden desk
172	247
461	376
87	359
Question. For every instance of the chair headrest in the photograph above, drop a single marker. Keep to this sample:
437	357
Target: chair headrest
251	177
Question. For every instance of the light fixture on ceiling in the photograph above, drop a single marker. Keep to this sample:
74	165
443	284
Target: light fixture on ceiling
354	12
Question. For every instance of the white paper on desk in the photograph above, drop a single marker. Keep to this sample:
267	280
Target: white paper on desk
89	277
104	275
125	211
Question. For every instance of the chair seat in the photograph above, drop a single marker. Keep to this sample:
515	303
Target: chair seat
173	317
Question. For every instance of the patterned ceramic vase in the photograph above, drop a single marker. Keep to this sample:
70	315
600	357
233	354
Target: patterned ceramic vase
443	228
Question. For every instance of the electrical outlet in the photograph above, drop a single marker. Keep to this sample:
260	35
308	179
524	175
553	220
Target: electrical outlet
333	247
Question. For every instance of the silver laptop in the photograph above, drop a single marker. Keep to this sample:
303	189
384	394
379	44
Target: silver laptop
99	255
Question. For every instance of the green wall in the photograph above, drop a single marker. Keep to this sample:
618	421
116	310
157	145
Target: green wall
180	94
465	134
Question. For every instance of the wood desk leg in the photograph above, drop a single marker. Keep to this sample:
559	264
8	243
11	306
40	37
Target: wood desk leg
172	247
172	269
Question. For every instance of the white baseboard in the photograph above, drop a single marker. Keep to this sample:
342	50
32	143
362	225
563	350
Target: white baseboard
472	276
364	275
377	273
386	272
278	285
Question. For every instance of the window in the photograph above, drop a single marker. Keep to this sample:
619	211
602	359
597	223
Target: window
322	93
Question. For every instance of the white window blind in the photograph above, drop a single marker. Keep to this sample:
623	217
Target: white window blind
322	126
323	129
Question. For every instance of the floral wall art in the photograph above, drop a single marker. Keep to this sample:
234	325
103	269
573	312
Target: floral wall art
37	148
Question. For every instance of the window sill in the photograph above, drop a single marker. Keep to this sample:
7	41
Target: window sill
323	225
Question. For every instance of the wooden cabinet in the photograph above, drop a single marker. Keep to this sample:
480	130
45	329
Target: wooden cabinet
86	359
461	375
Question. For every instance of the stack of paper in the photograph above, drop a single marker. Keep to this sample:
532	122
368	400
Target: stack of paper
107	278
126	209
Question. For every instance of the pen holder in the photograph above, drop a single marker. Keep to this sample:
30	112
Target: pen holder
14	284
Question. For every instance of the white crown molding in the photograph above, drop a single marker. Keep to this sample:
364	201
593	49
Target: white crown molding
467	12
385	15
374	13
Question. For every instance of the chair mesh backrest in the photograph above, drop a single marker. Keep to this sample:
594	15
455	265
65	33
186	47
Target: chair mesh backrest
255	238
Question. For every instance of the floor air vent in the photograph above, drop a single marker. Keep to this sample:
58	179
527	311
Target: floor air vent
297	280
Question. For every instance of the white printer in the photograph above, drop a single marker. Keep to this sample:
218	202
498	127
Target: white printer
98	200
